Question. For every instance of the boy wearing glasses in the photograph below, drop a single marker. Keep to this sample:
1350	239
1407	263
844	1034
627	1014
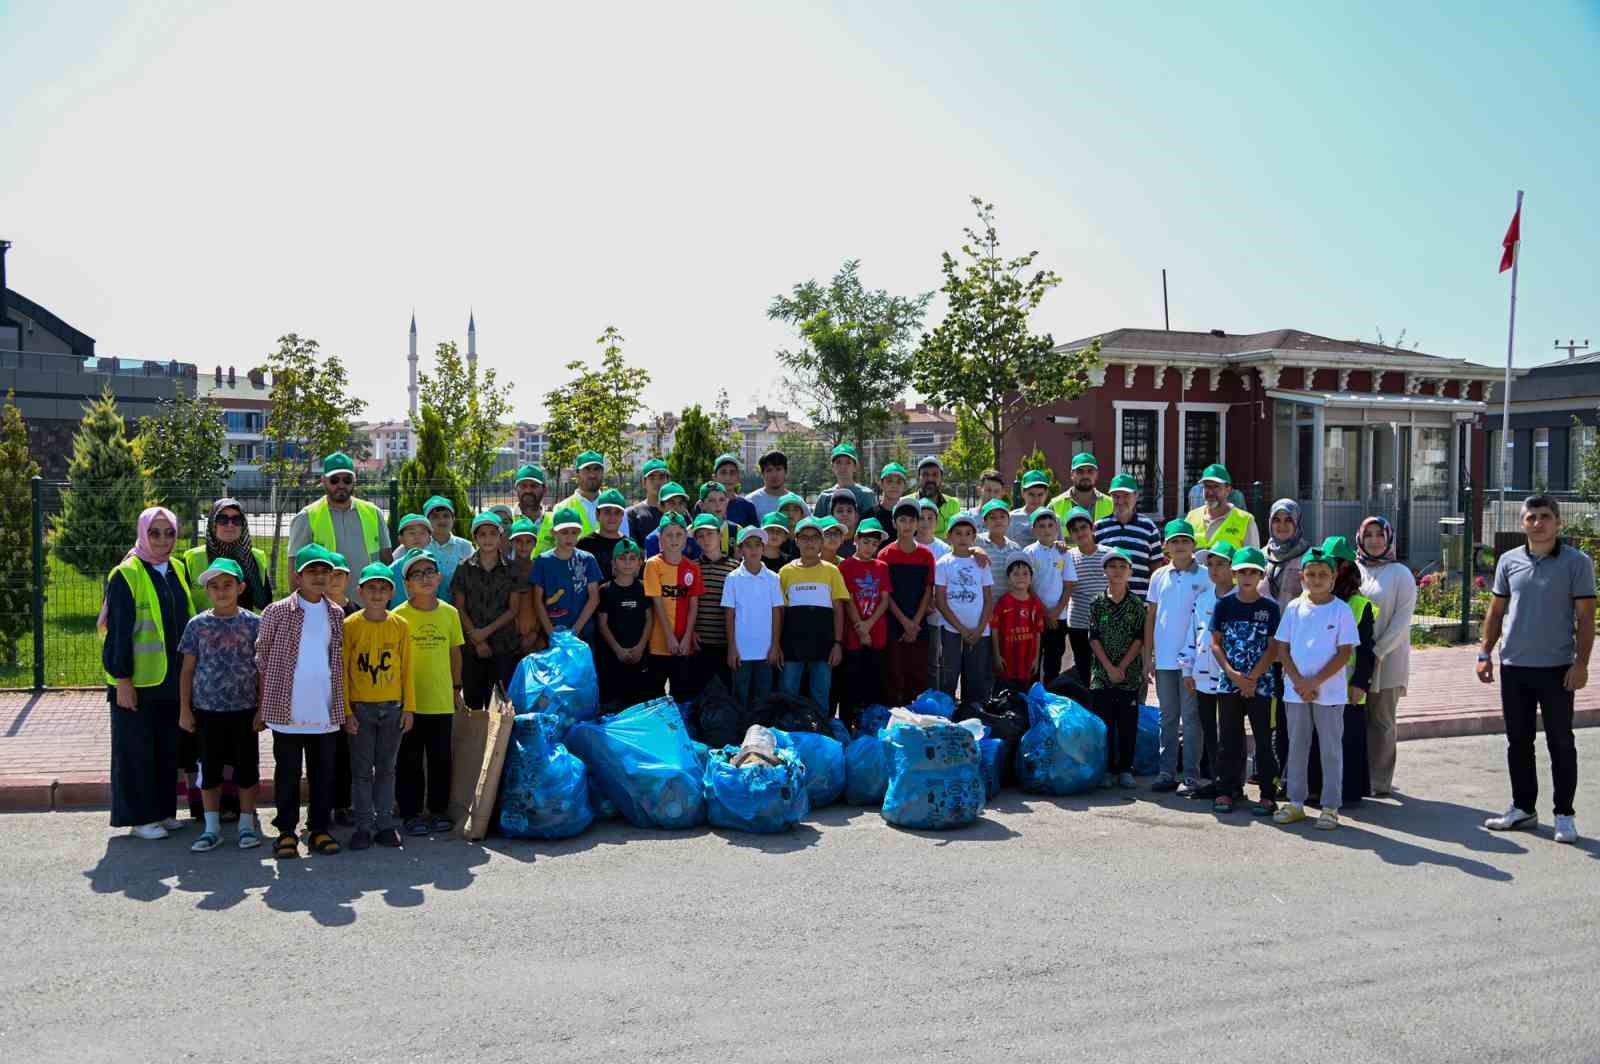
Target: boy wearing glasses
422	772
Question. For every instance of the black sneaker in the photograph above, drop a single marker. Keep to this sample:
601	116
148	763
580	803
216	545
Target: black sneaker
388	837
361	840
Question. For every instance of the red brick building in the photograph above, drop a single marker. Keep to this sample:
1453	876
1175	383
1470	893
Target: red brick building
1348	428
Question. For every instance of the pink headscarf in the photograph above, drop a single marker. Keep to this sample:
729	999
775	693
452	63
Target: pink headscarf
141	546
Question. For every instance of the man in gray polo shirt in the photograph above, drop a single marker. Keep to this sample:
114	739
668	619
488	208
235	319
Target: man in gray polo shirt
1544	594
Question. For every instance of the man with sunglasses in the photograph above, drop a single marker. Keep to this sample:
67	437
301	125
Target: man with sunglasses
341	522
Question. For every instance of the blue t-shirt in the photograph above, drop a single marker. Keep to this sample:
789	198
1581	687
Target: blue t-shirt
224	650
1247	629
566	586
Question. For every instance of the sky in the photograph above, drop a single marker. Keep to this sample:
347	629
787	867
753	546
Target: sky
191	181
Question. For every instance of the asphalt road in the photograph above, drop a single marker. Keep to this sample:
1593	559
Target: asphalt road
1099	928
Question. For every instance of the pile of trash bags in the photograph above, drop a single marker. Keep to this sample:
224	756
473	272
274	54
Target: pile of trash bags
719	718
790	713
560	679
934	776
866	769
1005	719
544	793
646	764
759	786
1064	749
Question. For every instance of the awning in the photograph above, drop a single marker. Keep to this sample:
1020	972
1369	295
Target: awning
1380	400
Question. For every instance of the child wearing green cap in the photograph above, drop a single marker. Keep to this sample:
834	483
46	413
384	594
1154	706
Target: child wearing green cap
994	517
964	597
566	580
674	500
217	699
710	624
714	500
1168	627
624	621
672	583
380	700
910	568
779	549
813	621
1035	495
447	549
1242	626
645	515
1202	674
484	592
892	485
423	766
752	599
741	512
846	463
414	534
1116	639
859	682
602	542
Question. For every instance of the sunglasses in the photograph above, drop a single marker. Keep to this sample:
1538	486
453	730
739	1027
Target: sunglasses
230	519
162	533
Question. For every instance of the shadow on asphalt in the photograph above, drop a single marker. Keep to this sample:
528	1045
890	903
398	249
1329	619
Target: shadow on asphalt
1439	821
1393	851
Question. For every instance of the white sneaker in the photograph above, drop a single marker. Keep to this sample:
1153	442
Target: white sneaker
1566	828
148	831
1512	819
172	823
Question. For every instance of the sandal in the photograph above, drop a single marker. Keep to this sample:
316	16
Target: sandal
286	848
1222	804
1265	807
208	840
323	843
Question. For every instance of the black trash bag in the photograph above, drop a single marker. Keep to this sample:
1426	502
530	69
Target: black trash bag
790	713
1067	686
721	720
1005	714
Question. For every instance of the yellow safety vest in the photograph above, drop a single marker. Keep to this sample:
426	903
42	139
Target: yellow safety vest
195	561
1359	604
547	533
320	522
149	635
1062	504
1233	529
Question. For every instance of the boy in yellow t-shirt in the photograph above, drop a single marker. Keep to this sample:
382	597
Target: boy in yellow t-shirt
380	697
434	628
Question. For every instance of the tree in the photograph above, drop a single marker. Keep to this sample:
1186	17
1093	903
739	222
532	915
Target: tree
809	470
182	449
982	355
99	515
17	468
312	408
857	352
474	410
595	409
1037	460
970	453
695	449
430	473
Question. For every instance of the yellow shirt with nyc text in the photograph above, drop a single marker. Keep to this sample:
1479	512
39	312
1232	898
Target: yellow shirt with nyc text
377	662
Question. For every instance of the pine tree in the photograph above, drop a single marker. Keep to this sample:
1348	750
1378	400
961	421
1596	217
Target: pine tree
430	473
1037	460
17	468
99	515
694	449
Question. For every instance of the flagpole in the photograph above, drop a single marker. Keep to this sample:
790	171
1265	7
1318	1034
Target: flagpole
1505	402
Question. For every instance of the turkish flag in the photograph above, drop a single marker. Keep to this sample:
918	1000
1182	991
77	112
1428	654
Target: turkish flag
1513	234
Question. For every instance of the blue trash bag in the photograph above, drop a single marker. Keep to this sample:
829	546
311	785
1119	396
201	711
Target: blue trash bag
824	759
873	720
755	797
544	791
839	731
560	679
1147	749
866	770
934	780
992	754
644	761
932	703
1064	749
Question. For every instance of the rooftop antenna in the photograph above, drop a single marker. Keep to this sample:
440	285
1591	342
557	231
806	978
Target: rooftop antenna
1571	348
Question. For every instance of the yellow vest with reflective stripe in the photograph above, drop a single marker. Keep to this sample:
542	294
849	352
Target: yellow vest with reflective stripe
1062	504
320	521
149	635
1359	604
1233	528
195	561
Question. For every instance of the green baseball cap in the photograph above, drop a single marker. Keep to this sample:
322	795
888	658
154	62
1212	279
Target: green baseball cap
725	459
529	472
1338	547
655	465
522	526
962	519
751	532
1220	549
220	567
791	499
870	527
1177	527
1118	553
1218	472
566	517
412	519
376	571
1035	478
410	561
830	524
626	546
810	524
1318	556
502	511
338	561
485	519
1045	512
312	554
673	490
894	469
672	520
1249	558
710	486
1084	458
1124	482
992	506
845	450
706	521
611	498
1078	513
436	502
776	520
589	458
338	462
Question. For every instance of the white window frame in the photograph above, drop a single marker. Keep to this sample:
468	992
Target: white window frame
1219	409
1118	406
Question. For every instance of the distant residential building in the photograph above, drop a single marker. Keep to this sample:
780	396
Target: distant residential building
760	431
393	442
528	443
244	401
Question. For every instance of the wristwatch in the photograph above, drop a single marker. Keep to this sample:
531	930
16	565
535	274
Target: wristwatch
1483	655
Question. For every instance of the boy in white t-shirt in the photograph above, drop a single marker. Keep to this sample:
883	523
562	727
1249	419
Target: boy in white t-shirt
752	597
1167	630
1054	574
963	593
1315	641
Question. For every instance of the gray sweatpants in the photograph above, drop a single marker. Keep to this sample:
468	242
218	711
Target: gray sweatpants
1329	722
373	749
1179	705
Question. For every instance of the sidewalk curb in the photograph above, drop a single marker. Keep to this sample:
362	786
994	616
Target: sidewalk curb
1480	723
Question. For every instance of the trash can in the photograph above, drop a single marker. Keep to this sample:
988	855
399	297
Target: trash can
1452	542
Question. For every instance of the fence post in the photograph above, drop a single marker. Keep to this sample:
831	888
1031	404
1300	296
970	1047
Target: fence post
1466	567
394	505
37	487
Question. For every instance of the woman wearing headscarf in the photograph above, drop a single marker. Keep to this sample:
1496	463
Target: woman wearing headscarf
228	536
145	610
1286	543
1393	590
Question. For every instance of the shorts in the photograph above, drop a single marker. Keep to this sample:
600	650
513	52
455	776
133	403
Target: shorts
227	738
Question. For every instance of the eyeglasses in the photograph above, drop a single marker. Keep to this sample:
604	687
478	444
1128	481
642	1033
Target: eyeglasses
344	482
421	574
162	533
230	519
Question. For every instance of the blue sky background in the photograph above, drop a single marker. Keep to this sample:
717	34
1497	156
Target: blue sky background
190	181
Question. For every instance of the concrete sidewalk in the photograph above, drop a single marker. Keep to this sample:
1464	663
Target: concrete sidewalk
55	747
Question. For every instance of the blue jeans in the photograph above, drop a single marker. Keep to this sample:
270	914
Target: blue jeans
817	675
752	681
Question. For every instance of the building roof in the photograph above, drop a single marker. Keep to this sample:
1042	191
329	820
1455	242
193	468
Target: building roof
81	343
1239	346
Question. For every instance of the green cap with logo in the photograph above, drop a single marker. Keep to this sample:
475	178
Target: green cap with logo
894	469
1218	472
523	526
337	462
1035	478
994	506
870	527
673	490
775	519
710	486
1249	558
705	521
566	517
412	519
589	458
221	567
1220	549
791	499
438	502
376	571
312	554
672	519
485	519
1124	482
529	472
727	458
1177	528
1084	458
655	465
338	561
845	450
612	499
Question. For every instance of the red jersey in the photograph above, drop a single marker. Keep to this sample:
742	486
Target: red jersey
868	583
1018	623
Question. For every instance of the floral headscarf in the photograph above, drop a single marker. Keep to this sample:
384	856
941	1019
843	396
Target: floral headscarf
1388	554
